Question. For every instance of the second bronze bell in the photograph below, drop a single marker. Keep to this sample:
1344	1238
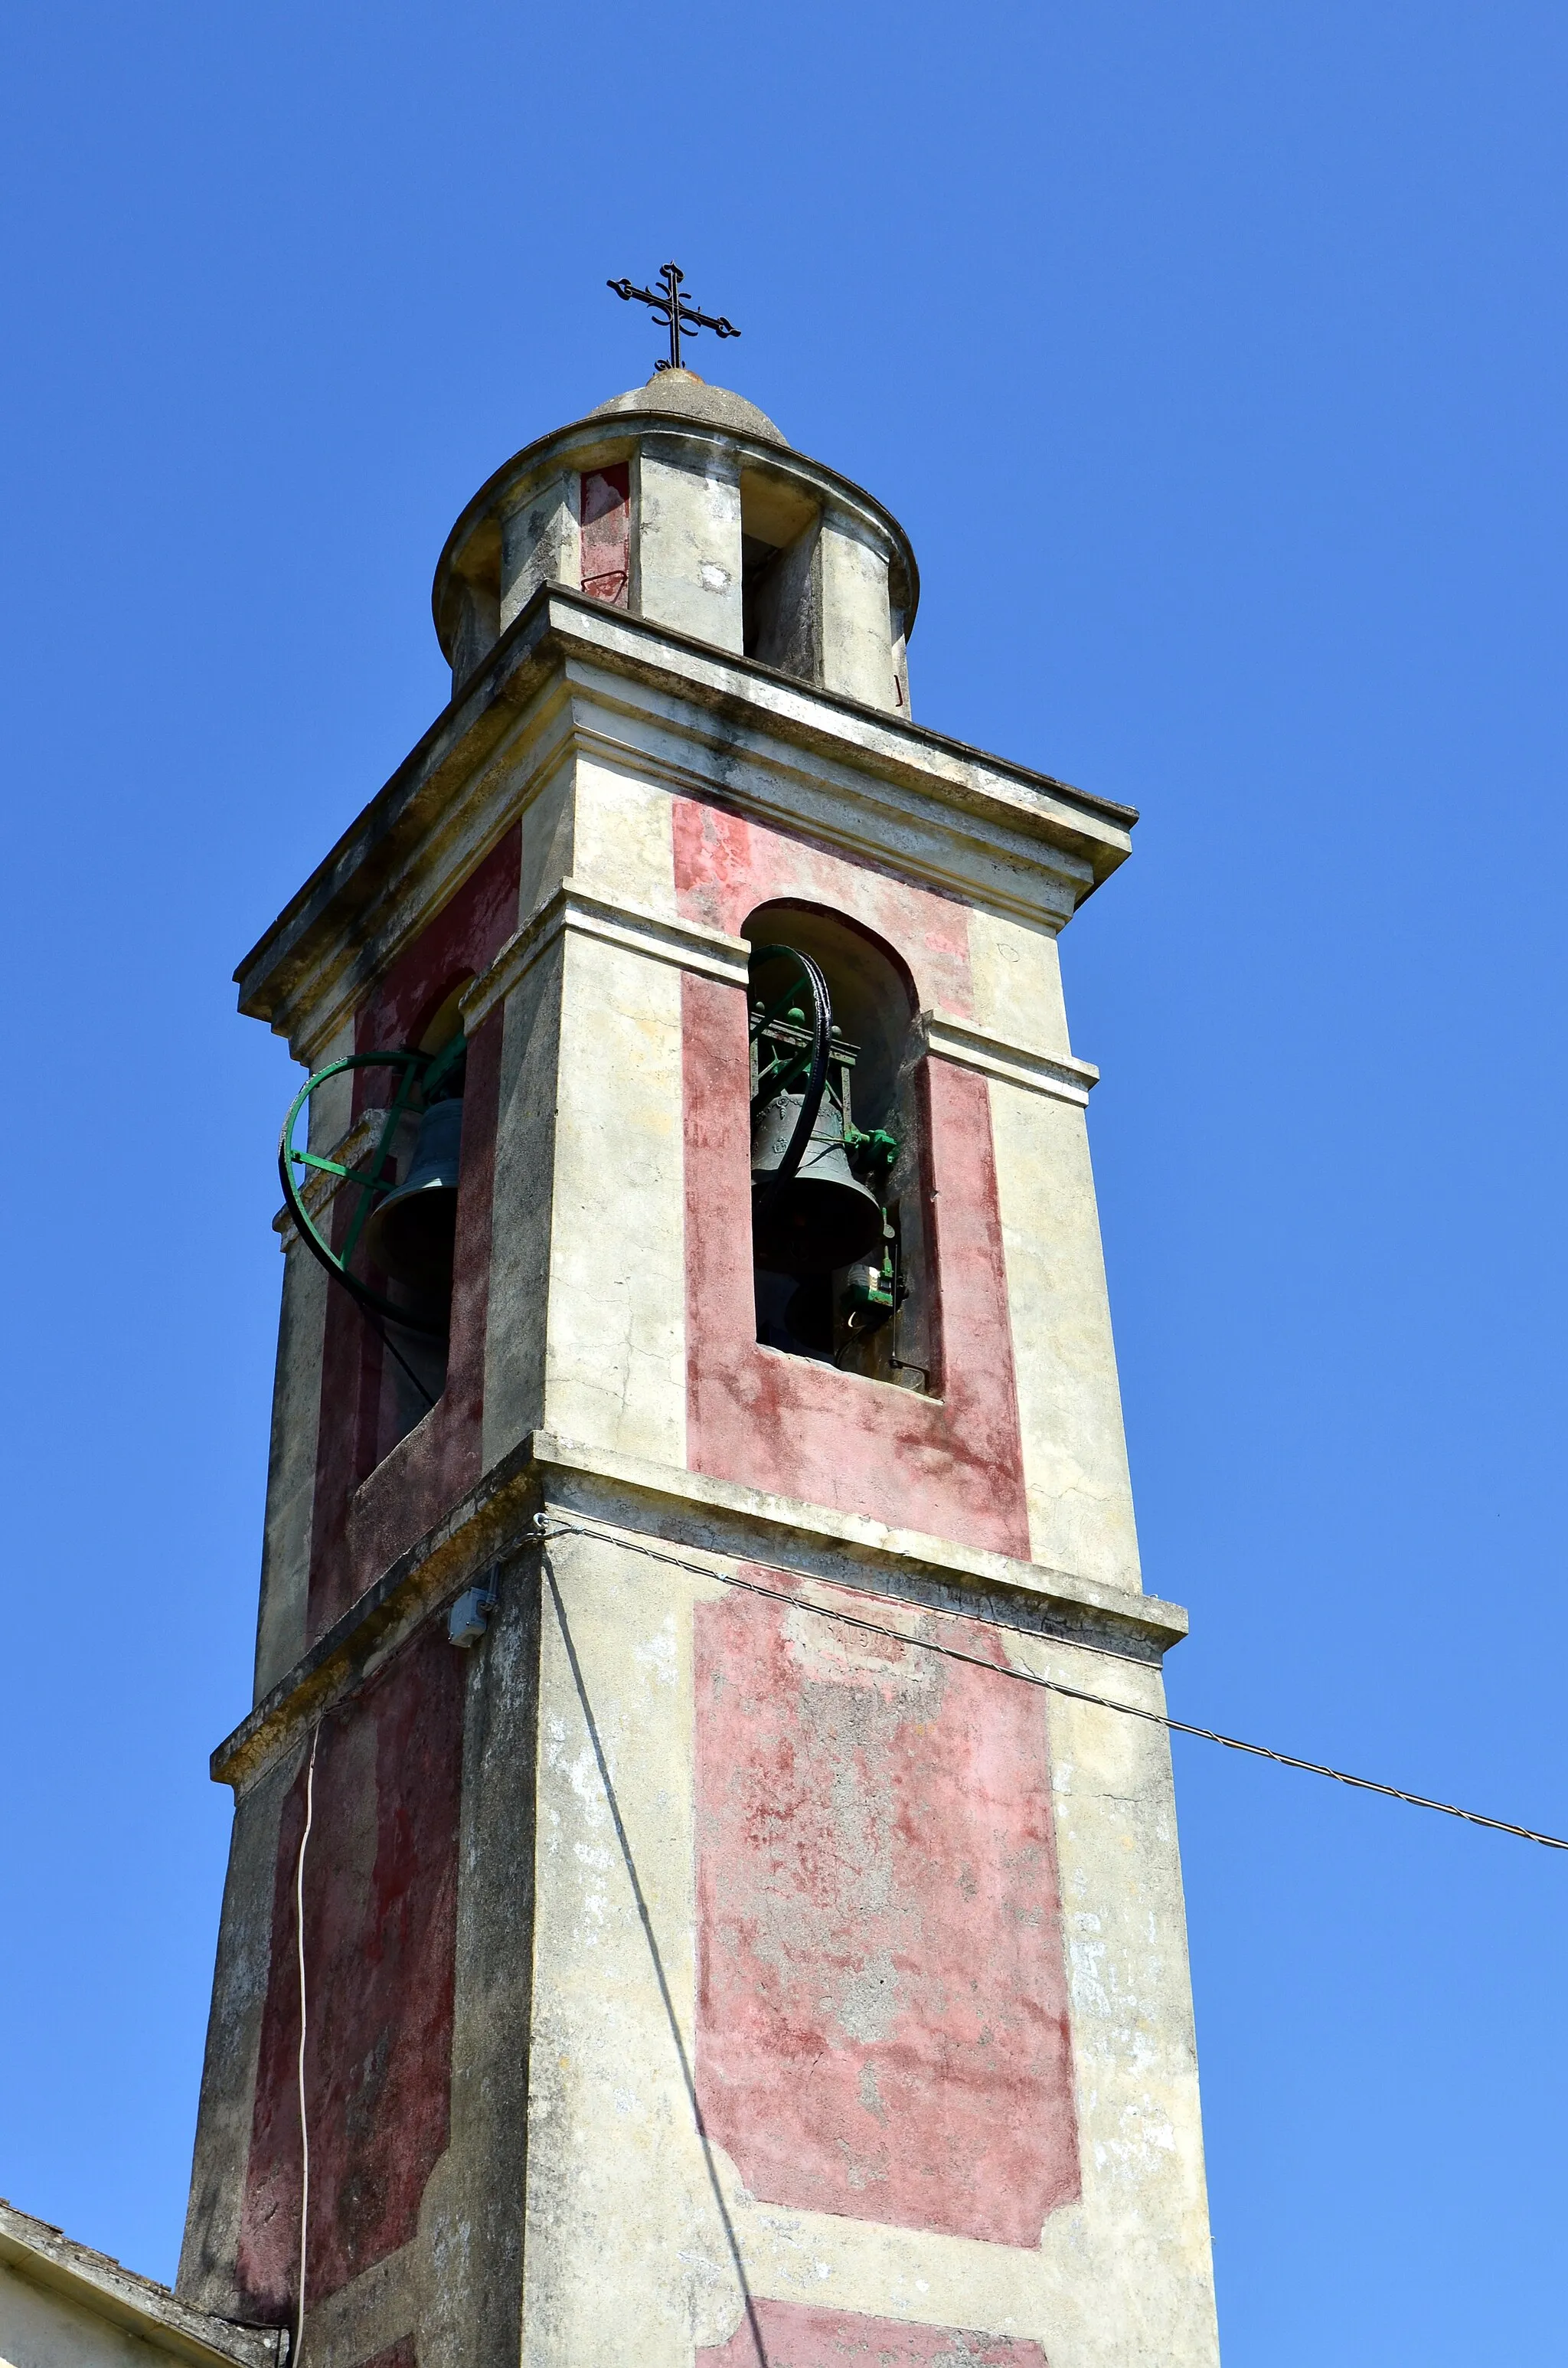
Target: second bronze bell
411	1234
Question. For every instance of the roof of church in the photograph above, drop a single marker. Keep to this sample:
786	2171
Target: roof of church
681	394
128	2304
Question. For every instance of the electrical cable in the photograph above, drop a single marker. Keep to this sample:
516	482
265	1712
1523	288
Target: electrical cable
305	2125
1046	1685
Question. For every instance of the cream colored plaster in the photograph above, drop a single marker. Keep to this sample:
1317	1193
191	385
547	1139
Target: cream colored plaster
549	825
373	2311
1016	981
686	558
658	937
959	1041
476	629
616	1355
623	842
857	657
540	543
1148	2293
291	1466
625	2257
209	2266
520	1209
1080	1493
332	1106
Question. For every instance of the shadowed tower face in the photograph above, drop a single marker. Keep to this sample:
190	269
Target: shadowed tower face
694	1972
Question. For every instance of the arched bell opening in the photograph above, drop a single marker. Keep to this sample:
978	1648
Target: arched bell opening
411	1234
839	1238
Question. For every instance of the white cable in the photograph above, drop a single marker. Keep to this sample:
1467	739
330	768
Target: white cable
304	2127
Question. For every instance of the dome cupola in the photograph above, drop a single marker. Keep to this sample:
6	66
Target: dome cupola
682	504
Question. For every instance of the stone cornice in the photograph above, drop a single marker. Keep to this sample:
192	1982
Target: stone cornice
714	1517
571	672
659	937
712	954
961	1042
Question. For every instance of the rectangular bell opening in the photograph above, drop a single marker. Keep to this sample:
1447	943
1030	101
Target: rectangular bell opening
781	601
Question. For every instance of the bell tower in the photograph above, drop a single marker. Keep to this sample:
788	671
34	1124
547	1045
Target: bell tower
664	1924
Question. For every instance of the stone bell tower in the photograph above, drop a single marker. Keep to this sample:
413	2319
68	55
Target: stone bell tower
713	1953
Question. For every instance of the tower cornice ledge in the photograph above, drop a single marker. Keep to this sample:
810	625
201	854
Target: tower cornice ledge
687	1512
717	726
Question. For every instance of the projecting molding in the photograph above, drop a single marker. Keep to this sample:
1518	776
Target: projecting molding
969	1047
493	1523
572	677
687	945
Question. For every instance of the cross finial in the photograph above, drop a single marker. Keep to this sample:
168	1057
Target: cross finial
672	312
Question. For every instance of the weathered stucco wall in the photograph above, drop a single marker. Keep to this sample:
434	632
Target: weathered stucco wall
787	1936
371	1500
1080	1492
881	1998
616	1362
950	1462
381	1901
686	568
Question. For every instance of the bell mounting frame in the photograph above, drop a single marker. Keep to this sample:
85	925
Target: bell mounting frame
780	1079
418	1075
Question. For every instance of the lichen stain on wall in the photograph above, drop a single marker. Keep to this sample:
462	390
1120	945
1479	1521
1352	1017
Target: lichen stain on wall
881	1996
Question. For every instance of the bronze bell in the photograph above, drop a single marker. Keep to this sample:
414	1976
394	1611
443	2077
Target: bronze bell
412	1232
824	1217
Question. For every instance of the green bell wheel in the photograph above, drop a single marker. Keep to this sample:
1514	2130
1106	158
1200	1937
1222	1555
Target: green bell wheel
419	1078
790	1066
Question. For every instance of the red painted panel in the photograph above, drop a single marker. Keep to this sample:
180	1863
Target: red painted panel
466	934
370	1506
606	515
794	2335
881	1998
380	1909
726	867
408	1491
951	1464
397	2355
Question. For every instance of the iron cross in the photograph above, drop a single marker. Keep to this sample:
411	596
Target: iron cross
672	312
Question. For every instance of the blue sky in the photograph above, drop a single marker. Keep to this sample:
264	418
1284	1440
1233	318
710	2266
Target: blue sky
1214	359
